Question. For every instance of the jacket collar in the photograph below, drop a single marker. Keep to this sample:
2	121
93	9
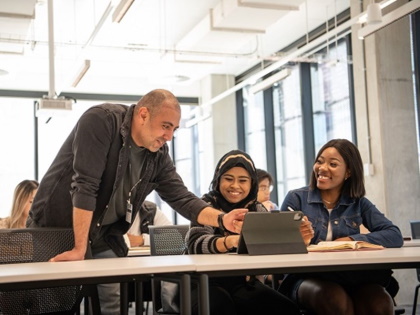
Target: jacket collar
126	125
314	196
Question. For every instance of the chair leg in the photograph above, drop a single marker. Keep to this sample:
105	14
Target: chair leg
86	305
416	293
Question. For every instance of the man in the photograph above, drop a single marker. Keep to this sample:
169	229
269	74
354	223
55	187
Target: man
113	158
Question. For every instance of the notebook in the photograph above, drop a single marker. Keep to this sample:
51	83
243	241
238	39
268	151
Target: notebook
270	233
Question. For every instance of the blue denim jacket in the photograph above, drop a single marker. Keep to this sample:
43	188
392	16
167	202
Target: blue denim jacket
346	218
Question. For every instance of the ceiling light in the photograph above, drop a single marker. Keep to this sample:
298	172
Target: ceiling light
398	13
82	72
121	10
383	4
374	14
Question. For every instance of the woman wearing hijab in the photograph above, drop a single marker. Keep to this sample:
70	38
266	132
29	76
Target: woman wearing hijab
234	185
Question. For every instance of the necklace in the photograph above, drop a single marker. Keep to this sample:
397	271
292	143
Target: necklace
329	202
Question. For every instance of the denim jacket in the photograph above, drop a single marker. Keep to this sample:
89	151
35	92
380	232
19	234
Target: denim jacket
346	218
89	167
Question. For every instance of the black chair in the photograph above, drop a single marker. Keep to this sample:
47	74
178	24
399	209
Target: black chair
39	245
415	233
166	240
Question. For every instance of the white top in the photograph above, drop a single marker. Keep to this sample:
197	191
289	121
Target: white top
159	219
329	231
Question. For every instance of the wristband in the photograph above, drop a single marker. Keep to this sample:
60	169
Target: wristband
224	243
220	222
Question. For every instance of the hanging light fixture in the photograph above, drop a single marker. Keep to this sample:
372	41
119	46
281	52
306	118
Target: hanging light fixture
374	14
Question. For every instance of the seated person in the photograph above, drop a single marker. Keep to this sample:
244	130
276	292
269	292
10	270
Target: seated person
150	214
22	201
234	185
265	185
138	235
335	204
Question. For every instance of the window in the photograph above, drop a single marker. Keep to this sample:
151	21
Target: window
309	107
288	133
255	128
330	97
18	142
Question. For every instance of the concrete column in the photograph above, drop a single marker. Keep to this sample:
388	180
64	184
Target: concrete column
219	128
386	127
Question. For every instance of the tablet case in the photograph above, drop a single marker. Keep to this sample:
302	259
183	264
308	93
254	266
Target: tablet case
270	233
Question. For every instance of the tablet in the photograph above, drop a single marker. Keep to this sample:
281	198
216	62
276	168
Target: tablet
271	233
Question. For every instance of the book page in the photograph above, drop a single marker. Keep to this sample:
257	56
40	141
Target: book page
342	245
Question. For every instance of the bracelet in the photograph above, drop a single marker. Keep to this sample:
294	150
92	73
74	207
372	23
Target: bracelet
220	222
224	243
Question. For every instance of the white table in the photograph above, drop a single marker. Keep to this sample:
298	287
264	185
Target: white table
233	264
412	243
47	274
95	271
405	257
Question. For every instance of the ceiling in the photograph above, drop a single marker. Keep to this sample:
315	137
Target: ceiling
169	44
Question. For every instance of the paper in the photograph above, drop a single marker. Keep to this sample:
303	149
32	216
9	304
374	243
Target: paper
342	245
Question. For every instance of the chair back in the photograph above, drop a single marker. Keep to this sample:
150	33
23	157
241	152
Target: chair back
168	239
415	234
36	245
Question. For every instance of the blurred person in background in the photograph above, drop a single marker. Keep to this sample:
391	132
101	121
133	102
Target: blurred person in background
22	201
265	186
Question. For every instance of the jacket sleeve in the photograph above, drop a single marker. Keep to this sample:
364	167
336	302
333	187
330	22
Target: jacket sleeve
92	138
291	200
201	239
172	190
382	230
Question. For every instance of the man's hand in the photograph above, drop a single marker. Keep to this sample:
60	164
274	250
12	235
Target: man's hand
233	220
70	255
306	230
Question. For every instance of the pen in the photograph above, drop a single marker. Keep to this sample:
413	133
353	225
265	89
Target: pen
291	209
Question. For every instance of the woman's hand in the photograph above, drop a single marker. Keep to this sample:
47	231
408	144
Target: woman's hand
306	230
269	205
135	240
226	243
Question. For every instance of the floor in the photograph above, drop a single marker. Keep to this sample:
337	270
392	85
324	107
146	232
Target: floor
408	310
132	311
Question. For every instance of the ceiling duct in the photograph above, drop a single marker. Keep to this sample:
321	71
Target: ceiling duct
15	20
227	26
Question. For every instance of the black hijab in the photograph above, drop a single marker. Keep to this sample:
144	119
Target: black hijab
234	158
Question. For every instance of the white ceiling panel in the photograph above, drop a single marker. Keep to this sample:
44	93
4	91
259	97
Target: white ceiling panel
158	43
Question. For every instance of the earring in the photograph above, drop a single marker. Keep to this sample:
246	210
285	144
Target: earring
345	178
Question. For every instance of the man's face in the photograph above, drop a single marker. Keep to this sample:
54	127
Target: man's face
152	132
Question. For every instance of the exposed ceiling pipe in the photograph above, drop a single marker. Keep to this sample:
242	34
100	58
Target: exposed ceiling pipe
99	25
51	91
306	50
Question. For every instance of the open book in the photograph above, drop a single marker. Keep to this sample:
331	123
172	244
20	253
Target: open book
342	245
139	251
